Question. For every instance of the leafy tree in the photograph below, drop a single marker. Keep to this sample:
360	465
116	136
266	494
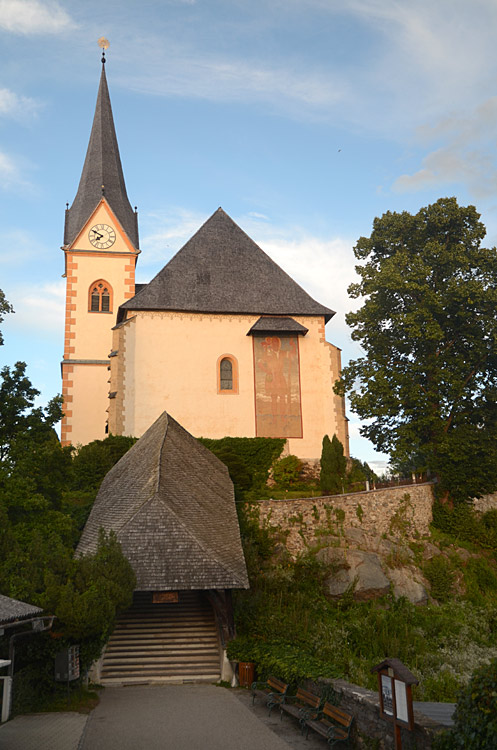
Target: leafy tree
428	378
333	466
18	416
5	307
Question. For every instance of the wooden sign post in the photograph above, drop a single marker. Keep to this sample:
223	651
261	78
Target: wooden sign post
395	689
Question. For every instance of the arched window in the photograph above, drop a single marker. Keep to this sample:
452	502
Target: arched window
227	374
100	297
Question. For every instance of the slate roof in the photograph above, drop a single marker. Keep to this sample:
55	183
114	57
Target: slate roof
221	270
12	610
268	324
171	504
102	167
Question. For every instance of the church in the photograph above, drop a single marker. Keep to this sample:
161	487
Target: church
222	338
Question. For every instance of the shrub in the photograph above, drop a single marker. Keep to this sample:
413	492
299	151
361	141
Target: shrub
333	466
475	717
258	454
440	576
287	470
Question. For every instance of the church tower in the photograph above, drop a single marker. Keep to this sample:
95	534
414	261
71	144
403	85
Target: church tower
101	250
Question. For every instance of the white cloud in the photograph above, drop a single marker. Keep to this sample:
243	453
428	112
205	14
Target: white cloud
15	105
164	233
228	79
33	17
39	307
10	172
467	157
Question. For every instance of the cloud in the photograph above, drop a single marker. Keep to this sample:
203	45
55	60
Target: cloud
467	157
164	233
33	17
10	173
39	307
217	78
15	105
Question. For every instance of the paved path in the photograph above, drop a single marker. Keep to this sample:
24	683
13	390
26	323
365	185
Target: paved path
43	732
176	717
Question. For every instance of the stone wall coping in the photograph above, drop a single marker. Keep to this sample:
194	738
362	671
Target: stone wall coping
344	494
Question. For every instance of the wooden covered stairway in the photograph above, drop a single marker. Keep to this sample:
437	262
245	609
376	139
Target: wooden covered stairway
166	642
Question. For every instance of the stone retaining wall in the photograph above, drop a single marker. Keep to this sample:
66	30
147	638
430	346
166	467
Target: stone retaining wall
368	727
395	511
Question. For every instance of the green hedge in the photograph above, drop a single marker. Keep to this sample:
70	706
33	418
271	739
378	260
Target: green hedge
256	454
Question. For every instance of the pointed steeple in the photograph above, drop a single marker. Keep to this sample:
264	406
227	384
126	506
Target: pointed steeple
102	174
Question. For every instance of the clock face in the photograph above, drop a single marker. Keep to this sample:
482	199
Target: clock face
102	236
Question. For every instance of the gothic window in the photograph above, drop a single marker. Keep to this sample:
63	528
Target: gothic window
227	374
100	297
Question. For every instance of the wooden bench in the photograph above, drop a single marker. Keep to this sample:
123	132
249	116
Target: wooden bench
332	723
304	705
273	690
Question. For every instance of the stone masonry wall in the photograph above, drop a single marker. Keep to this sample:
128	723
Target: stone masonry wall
368	727
395	511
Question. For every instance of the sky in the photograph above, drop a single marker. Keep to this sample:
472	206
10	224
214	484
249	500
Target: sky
303	119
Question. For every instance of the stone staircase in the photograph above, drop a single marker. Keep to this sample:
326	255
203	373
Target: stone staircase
159	643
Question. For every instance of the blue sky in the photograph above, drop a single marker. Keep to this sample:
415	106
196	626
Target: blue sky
303	119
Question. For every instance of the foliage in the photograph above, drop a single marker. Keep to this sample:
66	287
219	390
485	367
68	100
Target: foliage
255	454
20	421
333	466
286	471
92	462
463	523
428	378
475	717
5	307
440	575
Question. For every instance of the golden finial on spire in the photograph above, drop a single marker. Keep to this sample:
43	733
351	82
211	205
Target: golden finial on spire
103	43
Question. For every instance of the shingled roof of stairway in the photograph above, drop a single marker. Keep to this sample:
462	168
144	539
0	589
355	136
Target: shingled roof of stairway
171	504
222	270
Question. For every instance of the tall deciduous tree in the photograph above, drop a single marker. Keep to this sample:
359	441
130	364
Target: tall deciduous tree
428	327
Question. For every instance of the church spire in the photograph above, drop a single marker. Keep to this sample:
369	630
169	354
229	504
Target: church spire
102	174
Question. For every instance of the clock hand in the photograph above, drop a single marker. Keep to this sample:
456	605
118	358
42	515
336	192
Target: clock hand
98	236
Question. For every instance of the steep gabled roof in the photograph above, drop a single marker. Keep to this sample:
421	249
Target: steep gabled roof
220	269
102	174
171	504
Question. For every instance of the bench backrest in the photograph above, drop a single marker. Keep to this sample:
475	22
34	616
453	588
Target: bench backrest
341	717
305	696
277	685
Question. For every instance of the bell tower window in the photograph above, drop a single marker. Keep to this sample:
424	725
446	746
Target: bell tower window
100	297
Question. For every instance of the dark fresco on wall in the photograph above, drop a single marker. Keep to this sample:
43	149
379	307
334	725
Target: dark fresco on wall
277	387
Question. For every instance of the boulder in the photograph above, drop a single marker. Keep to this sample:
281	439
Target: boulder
430	551
407	582
357	569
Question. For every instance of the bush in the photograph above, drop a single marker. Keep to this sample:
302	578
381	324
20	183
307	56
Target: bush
440	576
92	462
286	471
475	717
257	454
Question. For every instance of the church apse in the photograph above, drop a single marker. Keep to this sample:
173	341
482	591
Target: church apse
277	387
